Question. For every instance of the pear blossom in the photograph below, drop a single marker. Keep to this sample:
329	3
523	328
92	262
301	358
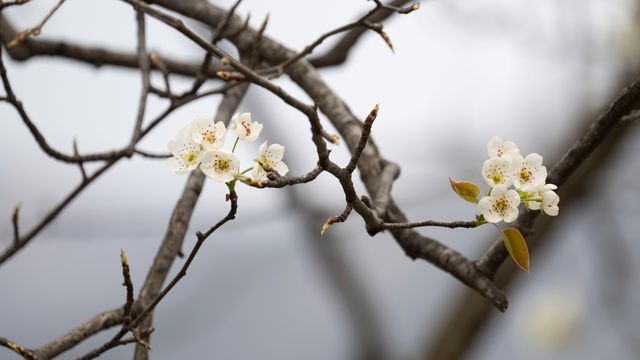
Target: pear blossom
269	157
220	165
186	153
548	200
246	129
208	133
501	205
496	147
529	173
496	171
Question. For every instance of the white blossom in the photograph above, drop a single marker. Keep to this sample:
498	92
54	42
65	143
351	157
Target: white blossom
547	203
220	165
501	205
496	147
186	153
529	173
246	129
270	157
208	133
496	171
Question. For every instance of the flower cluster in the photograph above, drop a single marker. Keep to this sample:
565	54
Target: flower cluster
506	168
199	144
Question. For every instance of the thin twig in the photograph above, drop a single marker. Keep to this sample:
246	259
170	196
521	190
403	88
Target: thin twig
128	284
450	225
363	22
201	237
338	218
364	137
14	221
217	36
18	349
12	3
150	155
36	30
145	69
80	162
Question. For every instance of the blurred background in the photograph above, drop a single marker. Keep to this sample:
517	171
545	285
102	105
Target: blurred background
267	285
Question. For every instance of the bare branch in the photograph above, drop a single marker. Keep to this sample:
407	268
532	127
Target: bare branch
18	349
12	3
217	36
126	275
339	52
450	225
36	30
145	69
364	137
14	221
96	56
83	172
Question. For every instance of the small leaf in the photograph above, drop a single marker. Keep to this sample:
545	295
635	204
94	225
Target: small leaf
466	190
517	247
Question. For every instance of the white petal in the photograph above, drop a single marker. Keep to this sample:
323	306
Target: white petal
246	117
551	210
498	190
511	215
281	168
275	152
513	197
262	150
234	122
256	129
258	172
493	145
550	198
484	209
533	159
534	205
177	166
202	121
211	173
497	171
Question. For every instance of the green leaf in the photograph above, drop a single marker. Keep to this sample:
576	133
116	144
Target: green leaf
517	247
466	190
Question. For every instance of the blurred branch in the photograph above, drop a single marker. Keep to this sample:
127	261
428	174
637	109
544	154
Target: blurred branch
96	56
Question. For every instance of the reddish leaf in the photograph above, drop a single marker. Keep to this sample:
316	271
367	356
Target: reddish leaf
466	190
517	247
